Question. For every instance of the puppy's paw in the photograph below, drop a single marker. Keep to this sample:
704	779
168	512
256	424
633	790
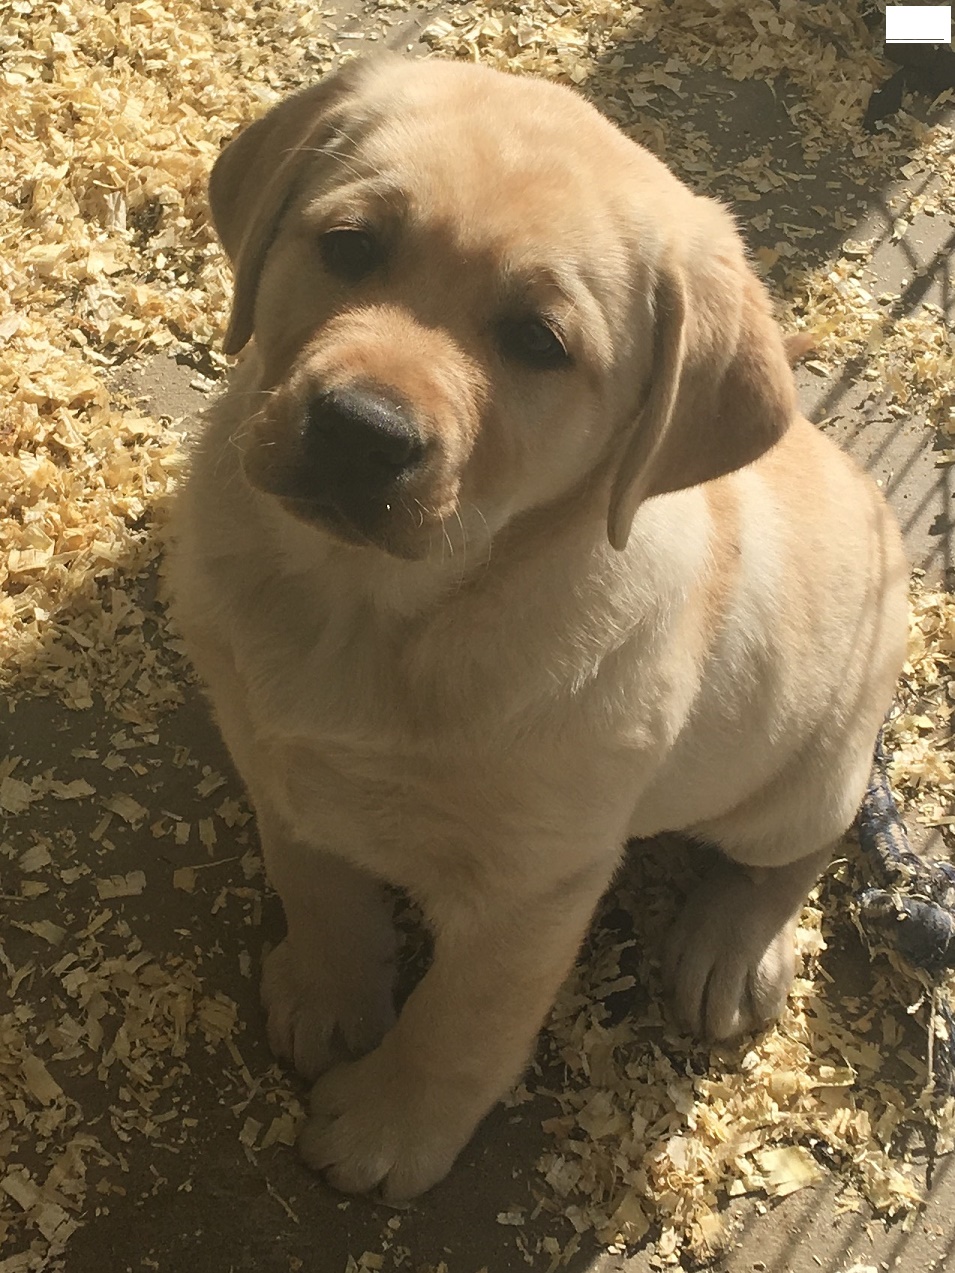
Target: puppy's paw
370	1125
730	959
313	1022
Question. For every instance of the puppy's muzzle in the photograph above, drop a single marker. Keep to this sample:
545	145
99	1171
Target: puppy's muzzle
358	444
357	460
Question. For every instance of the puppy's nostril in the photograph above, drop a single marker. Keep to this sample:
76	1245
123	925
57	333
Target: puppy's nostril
361	435
398	454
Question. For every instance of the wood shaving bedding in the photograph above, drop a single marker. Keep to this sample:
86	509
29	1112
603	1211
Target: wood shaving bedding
920	735
110	117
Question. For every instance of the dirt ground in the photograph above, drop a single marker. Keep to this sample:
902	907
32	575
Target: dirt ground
221	1203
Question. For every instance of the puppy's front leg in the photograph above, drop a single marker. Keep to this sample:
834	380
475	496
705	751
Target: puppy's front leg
327	987
400	1116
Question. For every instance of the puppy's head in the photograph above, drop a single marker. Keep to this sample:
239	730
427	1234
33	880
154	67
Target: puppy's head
471	296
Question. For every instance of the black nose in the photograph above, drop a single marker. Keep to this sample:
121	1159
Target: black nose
359	437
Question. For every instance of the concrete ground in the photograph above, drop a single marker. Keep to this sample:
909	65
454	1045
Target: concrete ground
215	1204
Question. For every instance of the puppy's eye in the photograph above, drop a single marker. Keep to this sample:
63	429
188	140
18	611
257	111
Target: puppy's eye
350	253
534	342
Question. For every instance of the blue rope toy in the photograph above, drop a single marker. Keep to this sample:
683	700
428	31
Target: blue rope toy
912	913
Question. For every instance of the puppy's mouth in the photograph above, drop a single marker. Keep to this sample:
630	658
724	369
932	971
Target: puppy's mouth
325	515
385	533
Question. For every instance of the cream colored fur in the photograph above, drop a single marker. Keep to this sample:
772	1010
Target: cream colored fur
634	594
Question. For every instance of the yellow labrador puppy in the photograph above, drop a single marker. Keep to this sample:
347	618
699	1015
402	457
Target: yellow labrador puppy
507	544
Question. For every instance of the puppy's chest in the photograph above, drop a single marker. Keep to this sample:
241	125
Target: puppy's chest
391	753
406	803
314	666
454	810
353	704
346	687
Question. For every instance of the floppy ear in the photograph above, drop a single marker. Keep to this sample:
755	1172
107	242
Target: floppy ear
721	392
256	176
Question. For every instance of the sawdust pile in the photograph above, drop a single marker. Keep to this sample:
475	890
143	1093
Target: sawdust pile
920	736
110	116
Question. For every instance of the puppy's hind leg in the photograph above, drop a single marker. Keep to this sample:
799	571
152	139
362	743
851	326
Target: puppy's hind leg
730	958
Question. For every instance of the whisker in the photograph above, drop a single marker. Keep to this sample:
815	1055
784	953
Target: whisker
464	541
488	540
447	539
